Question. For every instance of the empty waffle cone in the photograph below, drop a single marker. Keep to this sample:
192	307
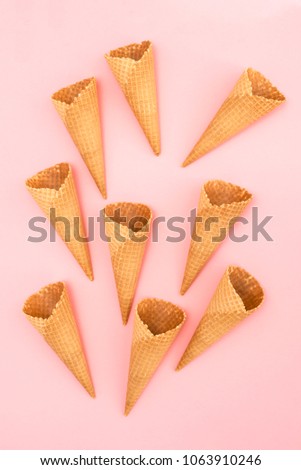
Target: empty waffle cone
127	227
54	191
156	326
49	311
252	97
220	203
133	68
236	297
77	105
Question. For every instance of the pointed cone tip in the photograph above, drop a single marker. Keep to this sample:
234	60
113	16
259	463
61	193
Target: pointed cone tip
156	149
180	366
125	316
103	191
128	409
184	288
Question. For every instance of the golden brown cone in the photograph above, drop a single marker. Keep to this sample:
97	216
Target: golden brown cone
127	241
77	105
49	311
219	204
54	188
252	97
237	296
156	326
133	68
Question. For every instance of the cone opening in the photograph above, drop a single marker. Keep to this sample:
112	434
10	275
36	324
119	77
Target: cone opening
220	192
42	304
160	316
263	87
51	178
68	94
134	216
132	51
246	286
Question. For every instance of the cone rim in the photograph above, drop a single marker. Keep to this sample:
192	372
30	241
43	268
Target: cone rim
111	54
45	291
249	72
258	299
50	317
165	302
85	82
259	294
46	172
145	207
247	196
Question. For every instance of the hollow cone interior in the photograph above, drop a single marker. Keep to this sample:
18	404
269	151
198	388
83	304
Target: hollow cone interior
49	311
78	108
127	227
156	325
219	204
54	190
252	97
133	68
237	296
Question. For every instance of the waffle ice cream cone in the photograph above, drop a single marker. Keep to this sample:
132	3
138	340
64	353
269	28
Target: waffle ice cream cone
54	190
236	297
133	68
252	97
49	311
77	106
220	203
156	326
127	227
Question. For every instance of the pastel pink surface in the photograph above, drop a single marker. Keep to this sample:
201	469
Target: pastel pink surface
245	391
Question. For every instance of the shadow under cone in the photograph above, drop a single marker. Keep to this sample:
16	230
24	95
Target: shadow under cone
156	326
77	105
127	227
133	68
220	202
236	297
54	190
252	97
49	311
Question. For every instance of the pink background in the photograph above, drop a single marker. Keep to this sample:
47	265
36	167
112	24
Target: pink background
245	391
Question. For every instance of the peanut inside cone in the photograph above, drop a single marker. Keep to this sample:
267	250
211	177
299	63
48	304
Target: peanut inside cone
51	178
132	51
67	95
42	304
220	192
263	87
246	286
159	316
133	216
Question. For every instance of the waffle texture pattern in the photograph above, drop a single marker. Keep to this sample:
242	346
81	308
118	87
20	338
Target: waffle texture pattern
133	68
220	203
127	227
77	105
237	296
49	311
54	189
157	323
252	97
